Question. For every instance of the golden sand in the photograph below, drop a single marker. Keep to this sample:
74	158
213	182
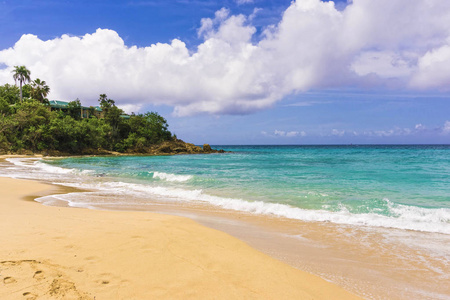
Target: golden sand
69	253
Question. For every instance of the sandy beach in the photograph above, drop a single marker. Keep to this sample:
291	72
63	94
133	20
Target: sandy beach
69	253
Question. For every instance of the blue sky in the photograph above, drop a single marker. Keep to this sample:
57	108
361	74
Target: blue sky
247	72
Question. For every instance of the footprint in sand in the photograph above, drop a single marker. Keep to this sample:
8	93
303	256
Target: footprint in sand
8	280
106	278
38	275
29	296
31	279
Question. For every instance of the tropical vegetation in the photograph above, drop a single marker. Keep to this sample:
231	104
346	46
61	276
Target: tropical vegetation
28	124
22	75
39	90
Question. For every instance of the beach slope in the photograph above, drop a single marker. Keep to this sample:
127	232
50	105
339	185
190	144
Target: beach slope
70	253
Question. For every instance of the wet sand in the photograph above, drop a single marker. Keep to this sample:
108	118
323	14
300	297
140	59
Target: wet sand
374	263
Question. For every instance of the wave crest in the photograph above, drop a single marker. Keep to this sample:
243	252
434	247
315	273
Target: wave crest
405	217
172	177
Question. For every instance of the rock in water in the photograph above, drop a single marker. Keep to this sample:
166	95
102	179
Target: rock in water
207	148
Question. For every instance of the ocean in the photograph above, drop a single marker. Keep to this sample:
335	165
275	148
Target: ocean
403	190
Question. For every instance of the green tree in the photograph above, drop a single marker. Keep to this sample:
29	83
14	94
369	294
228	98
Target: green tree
74	109
158	126
26	91
5	108
105	103
91	112
40	90
10	93
21	74
112	116
30	121
7	126
150	126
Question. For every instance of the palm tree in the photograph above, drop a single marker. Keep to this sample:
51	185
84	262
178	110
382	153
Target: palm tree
39	90
21	74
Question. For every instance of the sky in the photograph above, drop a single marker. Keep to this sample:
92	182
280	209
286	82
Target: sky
246	71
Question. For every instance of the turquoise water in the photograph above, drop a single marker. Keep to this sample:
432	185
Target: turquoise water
406	187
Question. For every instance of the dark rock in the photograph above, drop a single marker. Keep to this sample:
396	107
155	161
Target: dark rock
165	148
207	148
191	148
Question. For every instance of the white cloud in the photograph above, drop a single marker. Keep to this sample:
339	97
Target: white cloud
446	128
433	69
386	64
419	127
208	24
255	12
401	43
396	131
130	108
279	133
337	132
282	133
292	133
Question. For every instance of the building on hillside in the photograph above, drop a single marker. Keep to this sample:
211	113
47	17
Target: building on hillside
85	112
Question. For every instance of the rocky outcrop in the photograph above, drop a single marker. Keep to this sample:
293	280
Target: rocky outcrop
207	148
180	147
165	148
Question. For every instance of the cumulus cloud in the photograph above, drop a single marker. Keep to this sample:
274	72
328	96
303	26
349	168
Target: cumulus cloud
314	46
130	108
433	69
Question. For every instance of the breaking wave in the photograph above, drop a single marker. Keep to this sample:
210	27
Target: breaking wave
171	177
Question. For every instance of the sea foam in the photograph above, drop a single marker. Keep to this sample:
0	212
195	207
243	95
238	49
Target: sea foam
36	163
405	217
171	177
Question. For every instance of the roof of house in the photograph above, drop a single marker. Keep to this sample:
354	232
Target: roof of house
58	104
65	104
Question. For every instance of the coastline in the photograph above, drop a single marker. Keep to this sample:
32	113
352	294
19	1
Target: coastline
165	148
358	258
81	253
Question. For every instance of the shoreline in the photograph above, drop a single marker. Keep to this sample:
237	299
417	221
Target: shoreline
360	260
81	253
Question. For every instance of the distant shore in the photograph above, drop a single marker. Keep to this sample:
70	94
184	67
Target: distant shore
174	147
56	252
